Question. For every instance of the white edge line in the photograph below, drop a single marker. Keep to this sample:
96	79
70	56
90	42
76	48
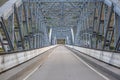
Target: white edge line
51	53
106	78
34	70
31	73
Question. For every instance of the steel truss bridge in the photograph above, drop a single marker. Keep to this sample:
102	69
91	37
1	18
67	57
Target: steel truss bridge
30	24
27	25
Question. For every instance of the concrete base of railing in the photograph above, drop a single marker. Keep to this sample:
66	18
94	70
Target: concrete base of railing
8	61
111	58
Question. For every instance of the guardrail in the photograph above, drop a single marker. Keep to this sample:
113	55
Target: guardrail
112	58
8	61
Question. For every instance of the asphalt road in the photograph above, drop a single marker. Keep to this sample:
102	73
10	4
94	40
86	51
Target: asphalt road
62	64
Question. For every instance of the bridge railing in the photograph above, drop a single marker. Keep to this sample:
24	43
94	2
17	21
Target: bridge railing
112	58
8	61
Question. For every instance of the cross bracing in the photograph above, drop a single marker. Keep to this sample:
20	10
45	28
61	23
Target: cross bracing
30	24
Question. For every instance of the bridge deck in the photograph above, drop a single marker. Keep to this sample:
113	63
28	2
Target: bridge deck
63	65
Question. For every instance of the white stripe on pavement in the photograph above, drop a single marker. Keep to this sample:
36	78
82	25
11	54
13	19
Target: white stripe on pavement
106	78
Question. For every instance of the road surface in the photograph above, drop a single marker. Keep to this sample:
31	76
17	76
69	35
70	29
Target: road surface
62	64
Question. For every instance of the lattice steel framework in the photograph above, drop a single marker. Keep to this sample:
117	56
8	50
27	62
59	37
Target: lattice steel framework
30	24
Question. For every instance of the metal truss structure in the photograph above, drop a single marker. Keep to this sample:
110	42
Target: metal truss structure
31	24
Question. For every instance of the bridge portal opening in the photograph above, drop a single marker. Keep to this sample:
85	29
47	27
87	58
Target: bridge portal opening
60	41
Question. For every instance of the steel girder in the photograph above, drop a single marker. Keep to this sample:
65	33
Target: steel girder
104	24
94	22
5	37
83	24
63	0
7	9
62	33
23	30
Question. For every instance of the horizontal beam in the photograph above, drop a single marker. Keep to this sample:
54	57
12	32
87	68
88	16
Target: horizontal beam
8	8
108	2
116	4
62	0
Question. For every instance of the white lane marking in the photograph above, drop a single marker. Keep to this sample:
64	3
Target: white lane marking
31	73
51	54
106	78
34	70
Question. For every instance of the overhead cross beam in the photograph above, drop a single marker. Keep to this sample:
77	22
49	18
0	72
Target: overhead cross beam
62	0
